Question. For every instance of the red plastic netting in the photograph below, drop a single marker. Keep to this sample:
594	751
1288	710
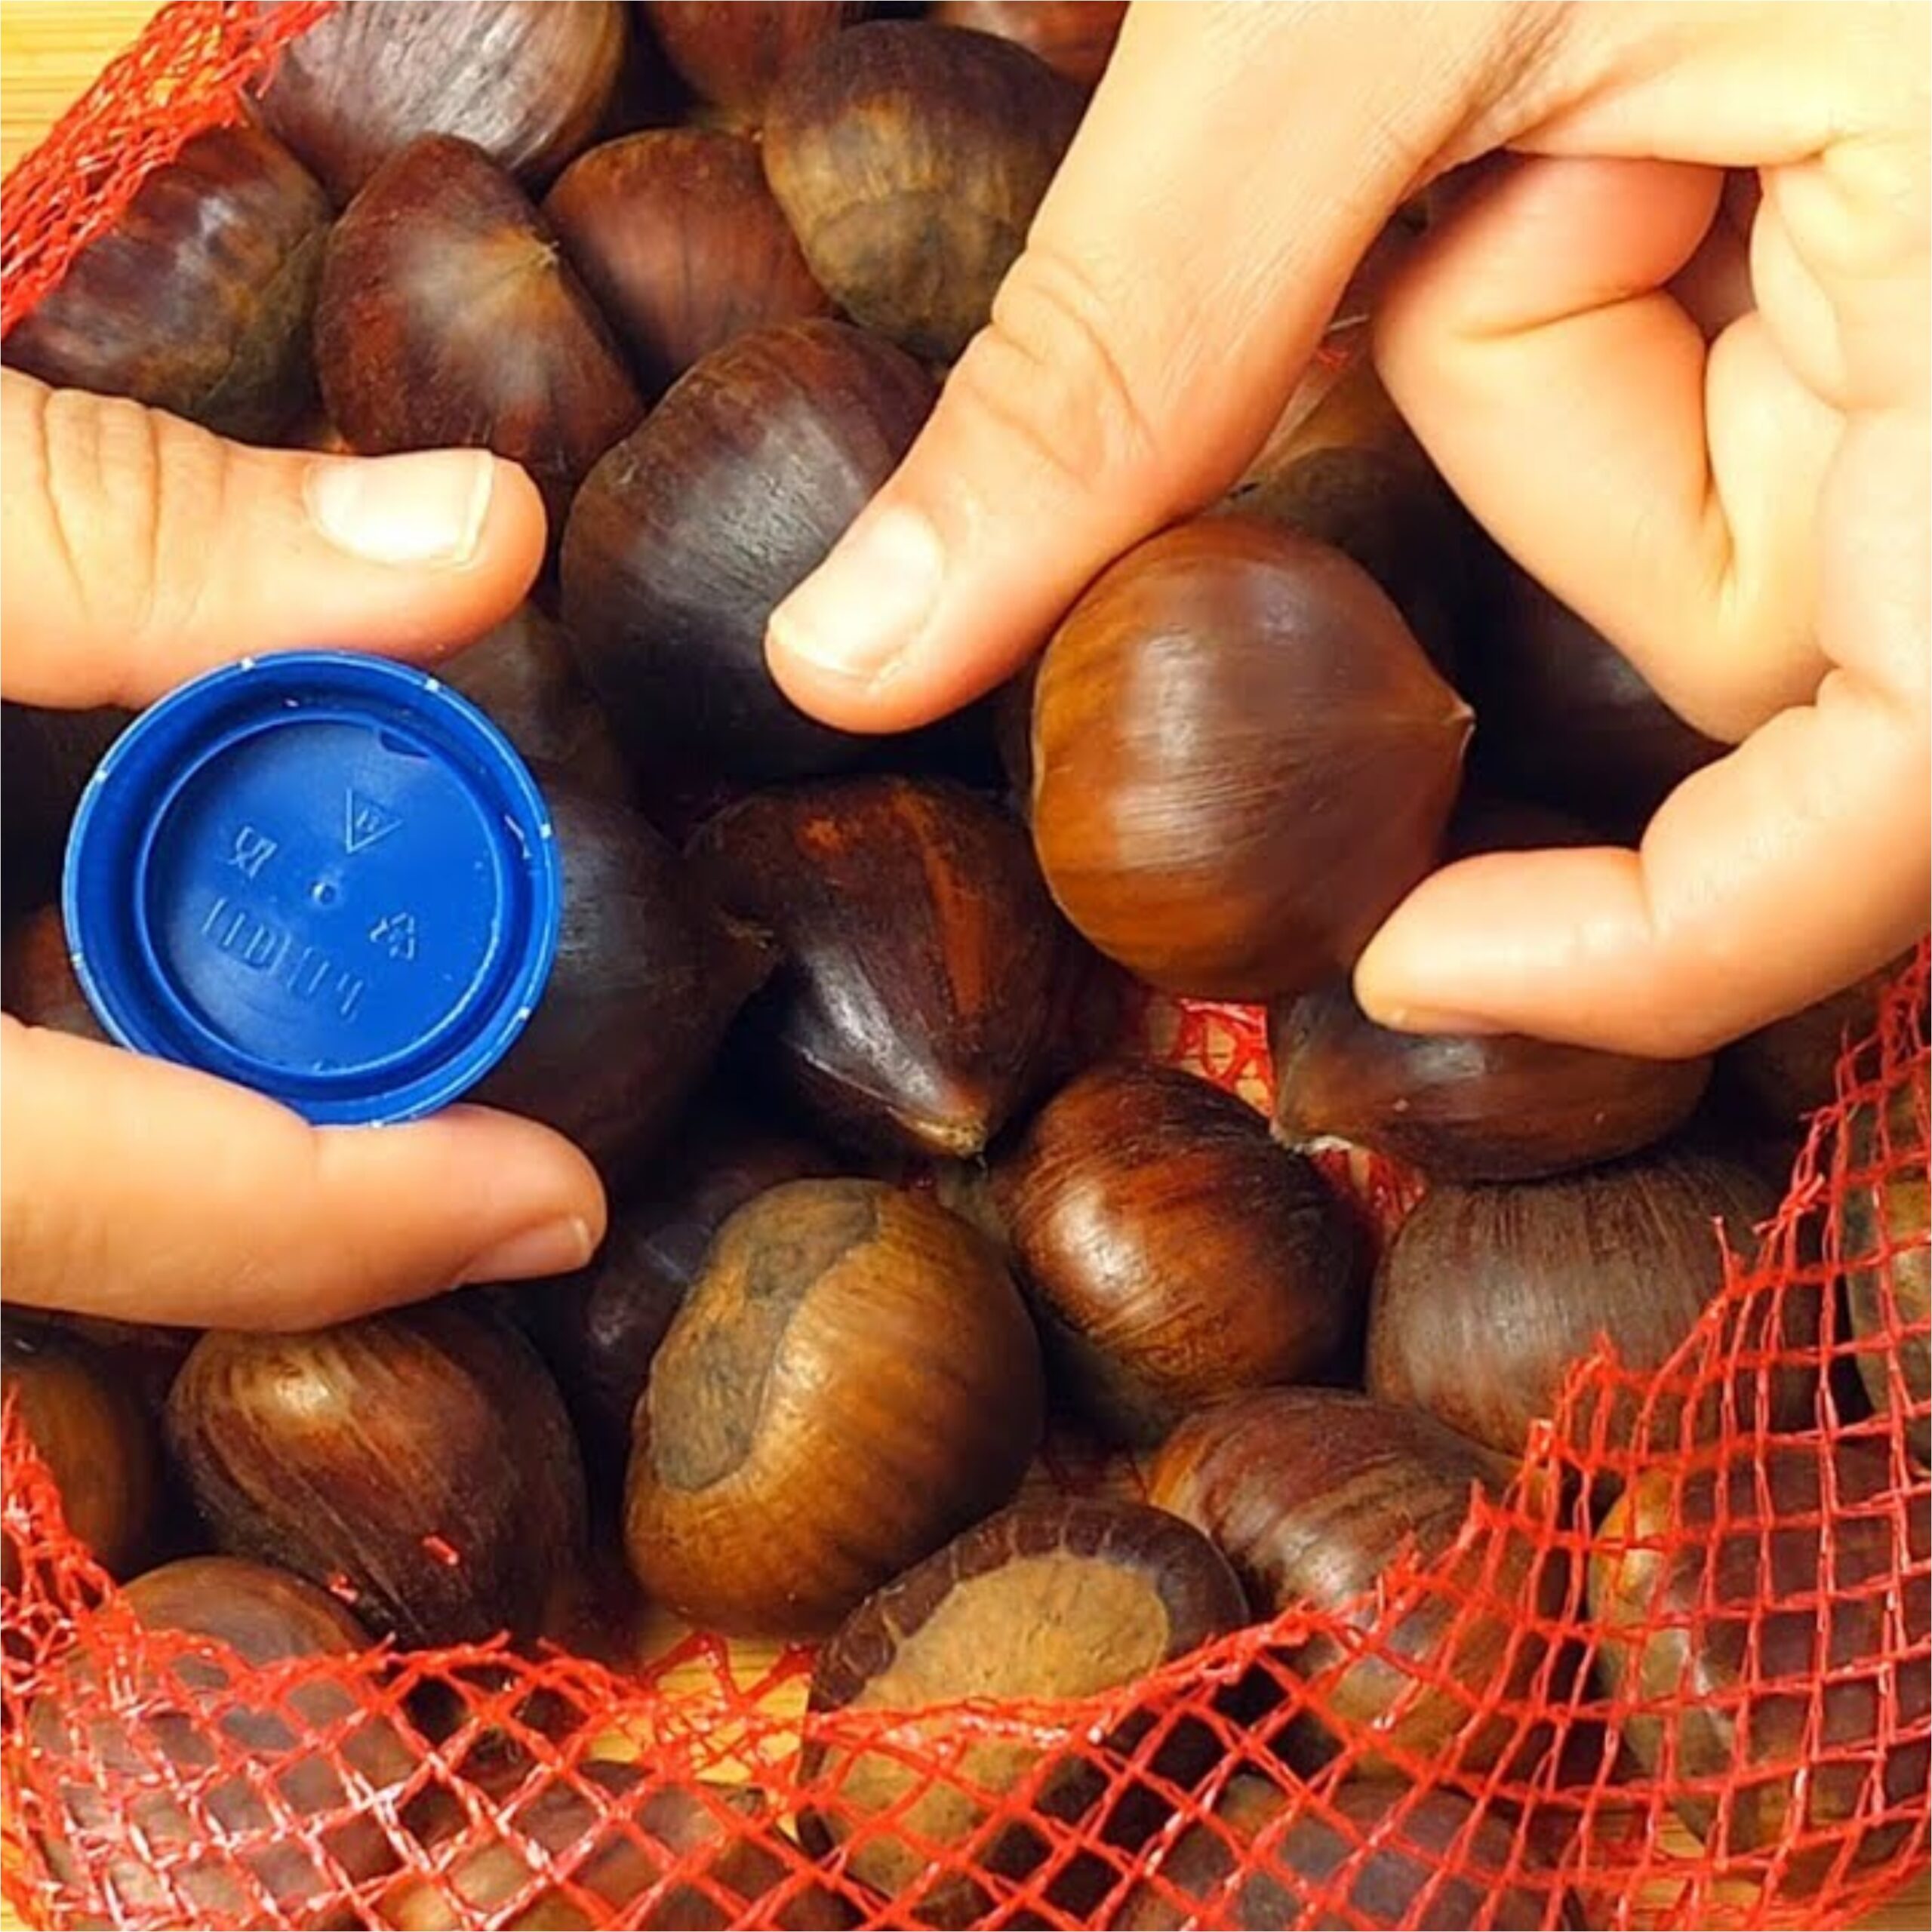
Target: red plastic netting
1745	1739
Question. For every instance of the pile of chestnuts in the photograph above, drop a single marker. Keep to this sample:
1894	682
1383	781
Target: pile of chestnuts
828	1013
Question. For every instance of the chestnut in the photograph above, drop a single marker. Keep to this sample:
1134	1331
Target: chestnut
688	535
198	300
910	159
1369	1481
46	758
419	1462
140	1358
676	233
110	1733
1785	1071
1075	38
1761	1628
1242	760
98	1445
921	954
526	80
38	981
448	315
851	1380
1048	1600
649	975
1172	1253
1885	1237
1371	1853
599	1846
1489	1293
732	54
1466	1106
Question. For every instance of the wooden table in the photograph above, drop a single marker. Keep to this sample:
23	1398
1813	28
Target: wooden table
50	49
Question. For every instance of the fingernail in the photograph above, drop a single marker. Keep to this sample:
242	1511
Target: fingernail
426	508
868	601
555	1247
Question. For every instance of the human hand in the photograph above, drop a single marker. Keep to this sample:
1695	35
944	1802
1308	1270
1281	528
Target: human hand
1747	518
136	551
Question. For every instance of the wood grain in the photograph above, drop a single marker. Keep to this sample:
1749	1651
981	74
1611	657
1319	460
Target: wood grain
50	51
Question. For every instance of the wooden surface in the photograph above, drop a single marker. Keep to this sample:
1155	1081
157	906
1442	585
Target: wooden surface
50	49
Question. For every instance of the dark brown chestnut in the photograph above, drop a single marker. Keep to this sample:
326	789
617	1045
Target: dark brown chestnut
1075	38
526	80
38	981
46	759
1568	719
140	1358
97	1442
1049	1600
1762	1667
733	54
1172	1253
1466	1106
420	1463
688	535
1488	1294
599	1847
649	975
448	316
198	300
1885	1237
921	954
910	159
269	1741
1241	760
523	673
1367	1853
1789	1069
851	1380
1369	1481
676	233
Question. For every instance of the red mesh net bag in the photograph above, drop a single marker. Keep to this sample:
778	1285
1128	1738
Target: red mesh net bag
1678	1673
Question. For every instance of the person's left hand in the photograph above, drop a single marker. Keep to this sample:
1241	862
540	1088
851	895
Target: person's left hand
135	551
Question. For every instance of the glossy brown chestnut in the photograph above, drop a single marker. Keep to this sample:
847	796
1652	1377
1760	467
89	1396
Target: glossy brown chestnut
613	1840
526	80
1172	1253
910	159
1789	1069
523	673
38	981
1048	1600
420	1463
1075	38
676	233
922	952
648	976
97	1443
1749	1644
120	1731
198	300
733	54
1241	760
1312	1494
1568	719
688	535
1488	1294
1466	1106
448	316
140	1358
1367	1854
46	759
852	1380
1885	1237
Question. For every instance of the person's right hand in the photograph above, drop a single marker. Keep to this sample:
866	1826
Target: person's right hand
1749	519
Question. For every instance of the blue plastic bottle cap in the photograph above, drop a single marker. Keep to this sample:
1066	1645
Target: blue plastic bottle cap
325	876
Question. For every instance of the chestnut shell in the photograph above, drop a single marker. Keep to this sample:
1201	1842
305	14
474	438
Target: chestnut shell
421	1461
1241	760
910	159
1173	1254
921	955
733	54
526	80
448	316
690	532
198	300
1075	38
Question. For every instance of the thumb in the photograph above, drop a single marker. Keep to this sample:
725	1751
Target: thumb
1235	164
137	549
